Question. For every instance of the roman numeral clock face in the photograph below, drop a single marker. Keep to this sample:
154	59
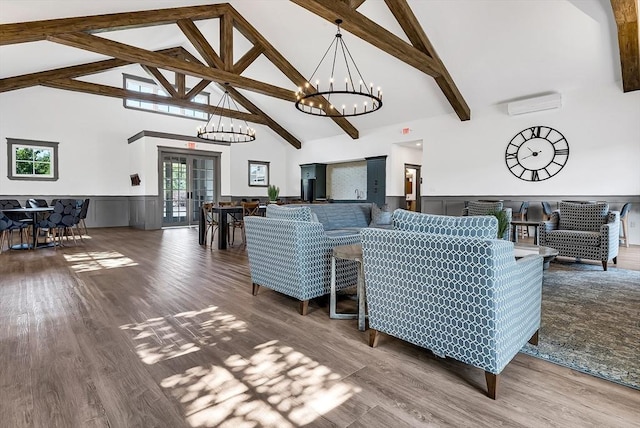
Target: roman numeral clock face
537	153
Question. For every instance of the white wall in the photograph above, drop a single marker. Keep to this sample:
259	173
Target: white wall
602	126
400	155
94	155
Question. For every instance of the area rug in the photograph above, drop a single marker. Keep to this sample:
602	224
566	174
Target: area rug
591	321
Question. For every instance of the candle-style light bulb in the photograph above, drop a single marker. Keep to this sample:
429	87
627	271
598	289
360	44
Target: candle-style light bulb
343	106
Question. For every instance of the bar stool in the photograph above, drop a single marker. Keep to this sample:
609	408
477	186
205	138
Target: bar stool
623	221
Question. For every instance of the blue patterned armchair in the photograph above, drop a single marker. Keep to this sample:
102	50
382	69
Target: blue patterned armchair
464	297
587	231
290	252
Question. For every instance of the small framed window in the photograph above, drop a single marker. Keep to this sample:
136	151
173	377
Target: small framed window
148	86
32	160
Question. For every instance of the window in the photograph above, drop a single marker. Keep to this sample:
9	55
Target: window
147	86
32	160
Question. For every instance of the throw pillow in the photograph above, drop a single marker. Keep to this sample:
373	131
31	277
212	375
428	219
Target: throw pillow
379	217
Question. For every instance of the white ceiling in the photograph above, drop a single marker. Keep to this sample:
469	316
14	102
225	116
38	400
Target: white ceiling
495	50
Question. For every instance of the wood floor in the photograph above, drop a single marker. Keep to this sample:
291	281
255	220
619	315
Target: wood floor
148	329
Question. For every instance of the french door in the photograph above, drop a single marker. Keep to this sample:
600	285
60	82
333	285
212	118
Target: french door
187	182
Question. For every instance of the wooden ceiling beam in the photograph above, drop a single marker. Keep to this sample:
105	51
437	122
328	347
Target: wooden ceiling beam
142	56
364	28
40	30
247	30
181	85
275	126
111	91
197	39
626	15
247	59
34	79
418	38
197	89
226	41
160	80
354	4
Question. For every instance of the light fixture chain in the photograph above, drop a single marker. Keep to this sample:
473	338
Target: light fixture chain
354	64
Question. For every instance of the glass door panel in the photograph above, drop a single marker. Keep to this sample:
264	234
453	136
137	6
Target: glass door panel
187	181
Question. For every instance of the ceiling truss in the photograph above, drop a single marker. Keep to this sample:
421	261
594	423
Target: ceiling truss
626	15
218	67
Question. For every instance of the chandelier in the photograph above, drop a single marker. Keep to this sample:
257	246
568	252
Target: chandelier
353	98
221	129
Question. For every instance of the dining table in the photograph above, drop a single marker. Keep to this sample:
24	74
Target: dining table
33	214
223	223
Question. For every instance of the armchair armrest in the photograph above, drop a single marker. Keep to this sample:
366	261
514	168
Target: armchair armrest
609	233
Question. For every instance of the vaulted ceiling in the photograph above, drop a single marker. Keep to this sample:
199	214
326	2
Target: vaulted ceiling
430	57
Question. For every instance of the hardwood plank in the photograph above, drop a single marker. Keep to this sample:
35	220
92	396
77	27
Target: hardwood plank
124	331
15	385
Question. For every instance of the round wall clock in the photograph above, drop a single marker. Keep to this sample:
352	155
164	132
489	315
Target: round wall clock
537	153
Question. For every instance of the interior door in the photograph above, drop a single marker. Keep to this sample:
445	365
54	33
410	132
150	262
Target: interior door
187	182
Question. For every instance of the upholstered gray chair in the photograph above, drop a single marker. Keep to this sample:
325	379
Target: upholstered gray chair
583	231
7	226
446	284
484	208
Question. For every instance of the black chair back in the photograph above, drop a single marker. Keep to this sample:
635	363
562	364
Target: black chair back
37	203
84	208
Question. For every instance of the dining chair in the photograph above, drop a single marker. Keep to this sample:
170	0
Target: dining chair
522	215
20	221
623	221
210	222
37	203
7	226
82	215
248	209
546	210
63	218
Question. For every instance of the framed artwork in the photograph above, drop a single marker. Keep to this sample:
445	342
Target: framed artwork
258	174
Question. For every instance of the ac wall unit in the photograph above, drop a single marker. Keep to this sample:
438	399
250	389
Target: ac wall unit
544	102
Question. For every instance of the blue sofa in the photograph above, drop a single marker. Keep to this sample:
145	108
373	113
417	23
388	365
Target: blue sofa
290	249
443	283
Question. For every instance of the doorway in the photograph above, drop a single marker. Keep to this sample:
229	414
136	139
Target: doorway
412	182
186	181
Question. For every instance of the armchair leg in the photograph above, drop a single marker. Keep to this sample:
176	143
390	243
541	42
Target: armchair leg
304	307
534	338
254	289
492	384
373	338
615	260
604	264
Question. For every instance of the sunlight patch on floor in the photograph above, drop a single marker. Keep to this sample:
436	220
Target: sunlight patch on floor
276	386
97	260
163	338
